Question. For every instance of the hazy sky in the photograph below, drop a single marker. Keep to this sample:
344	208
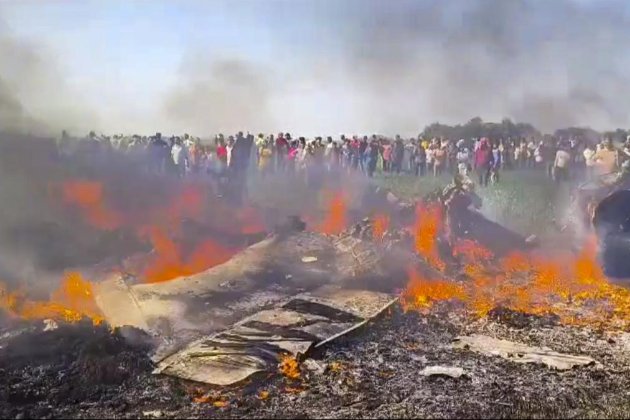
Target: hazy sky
320	66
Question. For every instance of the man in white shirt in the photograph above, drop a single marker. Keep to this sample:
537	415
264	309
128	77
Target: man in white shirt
179	154
561	165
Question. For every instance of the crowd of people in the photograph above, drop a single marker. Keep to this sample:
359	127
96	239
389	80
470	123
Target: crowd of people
561	159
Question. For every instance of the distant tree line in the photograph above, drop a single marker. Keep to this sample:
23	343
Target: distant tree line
476	128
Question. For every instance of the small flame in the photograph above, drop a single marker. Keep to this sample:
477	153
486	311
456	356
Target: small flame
335	220
168	263
289	366
380	224
263	395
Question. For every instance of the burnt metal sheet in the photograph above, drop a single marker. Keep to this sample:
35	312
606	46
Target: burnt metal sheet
255	343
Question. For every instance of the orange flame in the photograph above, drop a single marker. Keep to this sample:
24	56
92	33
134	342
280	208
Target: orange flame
427	228
336	219
71	302
289	366
167	263
572	287
87	196
380	225
169	260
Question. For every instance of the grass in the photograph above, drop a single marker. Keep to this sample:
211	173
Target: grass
526	201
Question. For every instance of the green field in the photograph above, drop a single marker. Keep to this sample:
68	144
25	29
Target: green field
526	201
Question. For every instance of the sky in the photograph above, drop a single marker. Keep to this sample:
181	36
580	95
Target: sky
315	66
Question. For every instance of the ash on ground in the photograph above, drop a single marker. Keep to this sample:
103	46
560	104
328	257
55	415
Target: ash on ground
81	371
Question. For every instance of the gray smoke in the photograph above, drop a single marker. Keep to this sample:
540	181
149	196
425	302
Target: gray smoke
35	97
549	63
219	95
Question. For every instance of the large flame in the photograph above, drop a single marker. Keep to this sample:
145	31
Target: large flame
71	302
161	224
573	287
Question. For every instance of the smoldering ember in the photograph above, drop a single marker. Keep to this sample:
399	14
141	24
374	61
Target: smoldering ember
476	270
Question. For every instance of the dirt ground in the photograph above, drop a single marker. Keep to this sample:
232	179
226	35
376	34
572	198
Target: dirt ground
81	371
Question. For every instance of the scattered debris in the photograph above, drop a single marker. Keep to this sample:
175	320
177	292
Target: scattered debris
314	366
154	414
532	240
452	372
256	343
521	353
309	259
50	325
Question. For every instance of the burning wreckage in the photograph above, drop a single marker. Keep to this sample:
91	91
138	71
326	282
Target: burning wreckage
466	318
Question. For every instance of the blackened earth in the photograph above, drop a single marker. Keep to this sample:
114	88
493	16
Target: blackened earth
81	371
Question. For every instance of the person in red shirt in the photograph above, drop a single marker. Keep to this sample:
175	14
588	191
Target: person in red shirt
222	153
484	161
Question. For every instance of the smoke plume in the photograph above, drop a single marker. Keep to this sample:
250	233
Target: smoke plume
223	95
35	96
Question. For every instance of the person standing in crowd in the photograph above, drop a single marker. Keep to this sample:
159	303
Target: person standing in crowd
531	153
589	161
398	153
605	158
412	146
463	159
439	159
483	162
362	148
561	164
496	163
265	156
421	158
180	158
386	153
451	157
371	157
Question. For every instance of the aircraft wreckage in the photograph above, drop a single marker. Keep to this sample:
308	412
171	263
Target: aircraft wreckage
287	294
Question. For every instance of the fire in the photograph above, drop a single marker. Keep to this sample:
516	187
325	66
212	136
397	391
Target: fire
167	263
380	225
161	224
427	229
87	196
573	287
335	220
422	294
71	302
289	366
